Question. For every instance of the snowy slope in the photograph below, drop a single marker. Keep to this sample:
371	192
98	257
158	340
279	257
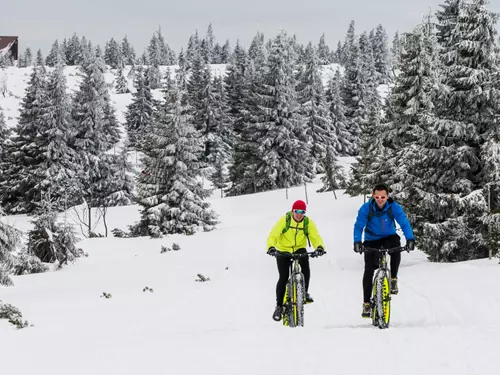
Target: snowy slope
445	319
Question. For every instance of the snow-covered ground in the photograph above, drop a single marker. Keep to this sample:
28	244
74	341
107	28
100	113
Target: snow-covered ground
444	321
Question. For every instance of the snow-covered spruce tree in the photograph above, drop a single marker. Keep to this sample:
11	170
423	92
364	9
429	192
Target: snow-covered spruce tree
97	134
490	154
9	240
113	54
19	153
457	230
396	51
210	39
26	59
4	136
333	177
257	50
171	197
39	58
244	157
198	81
226	53
411	108
43	162
121	83
139	111
121	184
368	79
111	128
50	241
381	54
73	51
55	55
365	172
343	146
236	84
323	52
128	52
221	139
447	20
314	110
193	49
351	88
276	123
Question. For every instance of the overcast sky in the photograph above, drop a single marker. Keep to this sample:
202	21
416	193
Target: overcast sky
38	23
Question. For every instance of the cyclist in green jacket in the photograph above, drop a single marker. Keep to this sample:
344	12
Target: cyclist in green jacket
299	230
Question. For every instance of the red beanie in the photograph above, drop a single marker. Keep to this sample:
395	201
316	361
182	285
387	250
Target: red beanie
299	205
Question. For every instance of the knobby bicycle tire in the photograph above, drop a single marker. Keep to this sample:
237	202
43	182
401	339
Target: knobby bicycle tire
299	300
381	301
287	306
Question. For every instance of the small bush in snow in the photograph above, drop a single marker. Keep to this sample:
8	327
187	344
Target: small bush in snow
27	263
175	247
164	249
106	295
53	242
202	278
147	288
13	315
9	240
120	233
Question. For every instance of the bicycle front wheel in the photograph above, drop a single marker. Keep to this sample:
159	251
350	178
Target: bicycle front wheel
299	300
381	301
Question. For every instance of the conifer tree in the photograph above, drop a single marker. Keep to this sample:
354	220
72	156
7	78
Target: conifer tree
139	111
169	192
323	51
127	51
275	122
316	119
9	240
344	145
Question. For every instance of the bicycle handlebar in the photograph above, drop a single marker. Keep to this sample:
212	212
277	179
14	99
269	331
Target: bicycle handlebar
282	254
384	250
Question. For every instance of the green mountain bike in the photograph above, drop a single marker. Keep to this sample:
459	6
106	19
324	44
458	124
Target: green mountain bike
295	294
381	295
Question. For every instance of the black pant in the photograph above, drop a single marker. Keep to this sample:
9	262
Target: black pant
284	266
372	261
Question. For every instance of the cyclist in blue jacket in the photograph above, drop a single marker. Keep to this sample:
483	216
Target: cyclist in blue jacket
377	218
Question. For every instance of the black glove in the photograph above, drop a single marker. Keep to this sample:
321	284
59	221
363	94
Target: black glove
358	247
320	251
272	251
410	245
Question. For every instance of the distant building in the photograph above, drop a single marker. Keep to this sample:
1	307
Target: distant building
9	46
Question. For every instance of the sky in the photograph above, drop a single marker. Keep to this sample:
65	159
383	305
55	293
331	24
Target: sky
39	23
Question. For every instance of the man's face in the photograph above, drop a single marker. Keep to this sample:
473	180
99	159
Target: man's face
298	215
380	197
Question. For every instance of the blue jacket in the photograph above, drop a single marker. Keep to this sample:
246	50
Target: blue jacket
381	224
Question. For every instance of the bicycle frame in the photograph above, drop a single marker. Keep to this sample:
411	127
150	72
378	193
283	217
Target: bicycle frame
381	295
293	312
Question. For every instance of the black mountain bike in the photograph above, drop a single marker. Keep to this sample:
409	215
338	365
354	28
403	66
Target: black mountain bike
295	294
381	295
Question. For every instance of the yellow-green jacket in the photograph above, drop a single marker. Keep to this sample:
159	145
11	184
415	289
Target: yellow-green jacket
294	238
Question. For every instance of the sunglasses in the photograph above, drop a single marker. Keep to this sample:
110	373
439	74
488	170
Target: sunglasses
380	197
300	212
